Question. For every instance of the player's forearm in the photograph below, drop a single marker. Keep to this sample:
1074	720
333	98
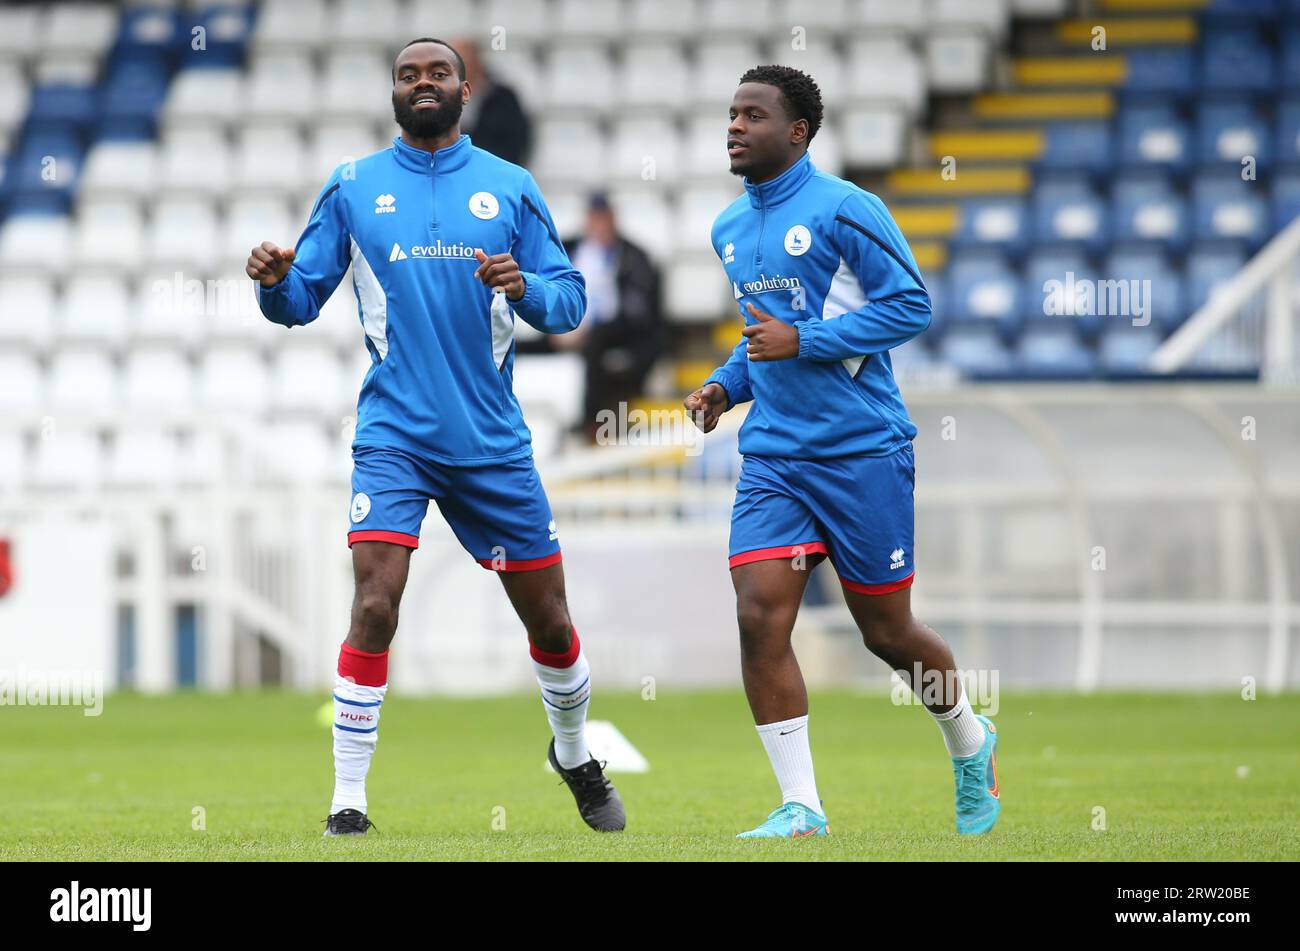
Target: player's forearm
287	302
553	306
881	325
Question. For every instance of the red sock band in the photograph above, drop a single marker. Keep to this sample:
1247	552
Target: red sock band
547	659
363	667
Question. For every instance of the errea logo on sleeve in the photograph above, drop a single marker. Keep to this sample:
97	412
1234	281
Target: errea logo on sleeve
385	204
728	253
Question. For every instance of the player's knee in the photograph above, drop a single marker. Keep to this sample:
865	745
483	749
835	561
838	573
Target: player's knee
375	619
549	627
884	635
760	626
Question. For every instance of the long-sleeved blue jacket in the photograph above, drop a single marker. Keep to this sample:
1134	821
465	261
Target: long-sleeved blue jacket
823	255
441	343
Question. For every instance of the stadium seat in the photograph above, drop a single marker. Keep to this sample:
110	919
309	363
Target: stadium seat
1236	60
695	291
26	242
94	309
83	380
120	168
1225	207
369	25
704	147
1054	351
357	85
268	160
77	29
886	70
999	223
976	350
1070	213
1060	285
182	235
570	150
22	387
874	137
307	379
1208	268
1290	78
983	289
1148	273
580	18
142	457
645	148
1154	136
204	96
1286	200
645	216
1227	132
719	64
957	62
250	220
18	31
71	460
291	25
736	17
697	209
194	161
1125	350
1079	147
1145	208
233	379
109	234
27	308
1288	133
282	86
579	79
158	380
1164	71
991	16
526	23
653	76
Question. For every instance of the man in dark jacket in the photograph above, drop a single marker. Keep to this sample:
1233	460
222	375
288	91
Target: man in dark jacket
493	118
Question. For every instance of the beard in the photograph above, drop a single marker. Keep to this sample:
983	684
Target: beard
427	123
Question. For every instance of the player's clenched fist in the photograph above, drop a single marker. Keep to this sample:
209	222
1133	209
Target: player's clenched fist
500	270
267	263
706	405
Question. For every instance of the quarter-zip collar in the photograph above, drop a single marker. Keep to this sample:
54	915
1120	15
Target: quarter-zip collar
770	194
449	159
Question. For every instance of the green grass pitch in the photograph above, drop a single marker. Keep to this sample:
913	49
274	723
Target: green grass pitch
1179	777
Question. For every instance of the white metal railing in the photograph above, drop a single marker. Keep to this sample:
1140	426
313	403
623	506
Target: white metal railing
1248	322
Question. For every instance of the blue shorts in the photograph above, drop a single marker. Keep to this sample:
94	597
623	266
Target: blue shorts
499	513
855	509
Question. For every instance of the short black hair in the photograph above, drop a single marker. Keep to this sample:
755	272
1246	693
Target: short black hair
803	100
460	63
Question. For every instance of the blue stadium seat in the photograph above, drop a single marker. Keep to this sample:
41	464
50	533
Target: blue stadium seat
1154	136
227	28
1237	60
46	163
1125	350
62	107
134	92
1041	299
1070	213
1079	146
1286	200
1052	350
1145	208
983	290
1242	10
1226	208
1290	77
1159	300
148	32
937	285
1207	267
1228	131
1170	71
976	350
1288	132
1000	223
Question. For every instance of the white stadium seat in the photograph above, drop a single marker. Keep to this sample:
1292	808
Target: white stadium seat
109	234
41	243
645	216
675	18
68	459
194	161
719	64
306	378
268	159
282	86
114	168
170	307
579	78
818	17
291	25
886	70
570	150
654	75
583	18
818	59
696	291
373	24
202	96
957	62
18	31
83	381
646	148
234	379
523	21
15	96
874	137
21	384
357	85
697	209
449	19
704	152
992	16
331	144
732	17
13	468
80	29
876	16
157	380
27	306
183	234
250	220
142	457
94	309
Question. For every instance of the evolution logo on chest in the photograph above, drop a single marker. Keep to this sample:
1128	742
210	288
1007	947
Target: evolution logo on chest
439	250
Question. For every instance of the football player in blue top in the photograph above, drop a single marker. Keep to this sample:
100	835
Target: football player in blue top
448	244
826	286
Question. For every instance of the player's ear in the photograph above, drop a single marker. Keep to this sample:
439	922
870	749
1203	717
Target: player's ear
464	92
799	132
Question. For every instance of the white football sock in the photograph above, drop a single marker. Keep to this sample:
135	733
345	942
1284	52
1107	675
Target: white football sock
356	725
786	742
565	692
962	733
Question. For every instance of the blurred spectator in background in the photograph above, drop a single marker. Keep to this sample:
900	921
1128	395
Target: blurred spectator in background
621	335
493	117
